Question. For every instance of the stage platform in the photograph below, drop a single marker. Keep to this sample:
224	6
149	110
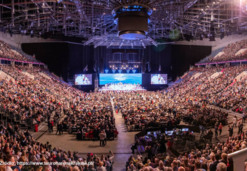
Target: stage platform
122	87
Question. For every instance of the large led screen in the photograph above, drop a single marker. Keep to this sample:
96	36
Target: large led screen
120	78
160	79
83	79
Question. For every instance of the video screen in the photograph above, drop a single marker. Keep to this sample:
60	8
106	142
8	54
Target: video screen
160	79
120	78
185	129
83	79
169	133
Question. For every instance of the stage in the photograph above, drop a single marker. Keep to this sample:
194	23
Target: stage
122	87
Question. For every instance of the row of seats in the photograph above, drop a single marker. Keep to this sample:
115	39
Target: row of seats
233	51
7	52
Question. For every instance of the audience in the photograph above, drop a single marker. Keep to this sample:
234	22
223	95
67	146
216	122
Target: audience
232	52
7	52
30	96
17	146
212	157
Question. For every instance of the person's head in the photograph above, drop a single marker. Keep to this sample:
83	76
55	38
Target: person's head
197	165
174	164
161	164
10	159
181	168
224	156
212	156
156	160
76	168
47	168
217	157
101	164
221	167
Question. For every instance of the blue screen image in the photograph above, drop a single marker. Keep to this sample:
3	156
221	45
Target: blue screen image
83	79
120	78
159	79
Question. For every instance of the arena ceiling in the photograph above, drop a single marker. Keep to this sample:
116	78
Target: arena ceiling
92	20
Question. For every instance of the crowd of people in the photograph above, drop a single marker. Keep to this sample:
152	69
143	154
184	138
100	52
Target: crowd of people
187	101
233	51
212	157
19	151
32	95
7	52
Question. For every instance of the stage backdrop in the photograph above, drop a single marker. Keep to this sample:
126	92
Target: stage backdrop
173	60
68	59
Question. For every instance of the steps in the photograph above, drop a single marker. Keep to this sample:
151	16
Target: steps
43	128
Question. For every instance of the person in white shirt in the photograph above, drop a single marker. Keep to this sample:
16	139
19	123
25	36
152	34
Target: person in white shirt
234	121
101	167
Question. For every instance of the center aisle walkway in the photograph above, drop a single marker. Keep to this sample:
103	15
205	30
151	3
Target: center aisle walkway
124	141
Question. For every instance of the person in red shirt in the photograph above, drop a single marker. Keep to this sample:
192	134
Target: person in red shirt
220	128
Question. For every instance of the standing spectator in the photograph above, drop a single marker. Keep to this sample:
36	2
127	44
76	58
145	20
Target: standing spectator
240	128
220	128
215	163
216	130
174	165
102	137
224	158
58	128
133	147
230	129
244	116
101	167
36	127
230	164
51	125
169	144
104	133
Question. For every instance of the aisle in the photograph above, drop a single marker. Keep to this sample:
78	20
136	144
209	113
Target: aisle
123	143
